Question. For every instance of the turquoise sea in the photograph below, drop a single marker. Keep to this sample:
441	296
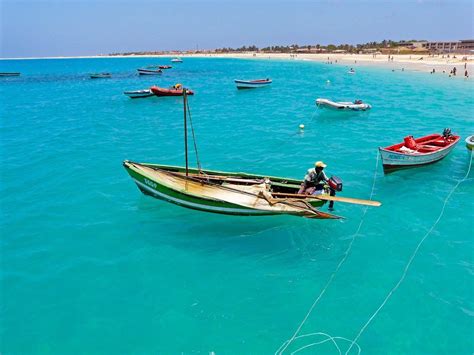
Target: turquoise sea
89	265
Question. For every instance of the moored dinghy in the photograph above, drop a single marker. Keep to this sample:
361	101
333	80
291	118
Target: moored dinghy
176	60
135	94
357	105
420	151
252	84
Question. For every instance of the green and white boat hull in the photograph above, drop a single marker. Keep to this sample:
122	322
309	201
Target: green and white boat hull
152	185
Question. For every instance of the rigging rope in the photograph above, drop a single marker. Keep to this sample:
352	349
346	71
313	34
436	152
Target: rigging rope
284	346
412	257
194	137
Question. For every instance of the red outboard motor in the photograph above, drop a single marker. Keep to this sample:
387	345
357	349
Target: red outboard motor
335	184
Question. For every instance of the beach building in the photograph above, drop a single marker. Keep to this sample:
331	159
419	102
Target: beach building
461	46
466	45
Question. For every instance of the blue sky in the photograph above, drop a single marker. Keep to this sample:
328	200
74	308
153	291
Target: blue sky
32	28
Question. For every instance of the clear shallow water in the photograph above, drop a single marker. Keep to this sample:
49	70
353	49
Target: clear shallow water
90	265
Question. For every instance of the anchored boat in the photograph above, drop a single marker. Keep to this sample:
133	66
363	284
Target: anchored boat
164	67
9	74
146	71
173	91
100	75
135	94
176	60
357	105
420	151
470	142
252	84
226	192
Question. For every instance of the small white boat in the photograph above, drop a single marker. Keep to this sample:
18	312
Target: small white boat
138	93
144	71
357	105
352	71
176	60
100	75
470	142
252	84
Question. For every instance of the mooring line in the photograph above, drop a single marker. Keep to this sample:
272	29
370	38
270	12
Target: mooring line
287	343
407	266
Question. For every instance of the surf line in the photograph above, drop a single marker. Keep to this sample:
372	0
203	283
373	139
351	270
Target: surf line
412	257
288	342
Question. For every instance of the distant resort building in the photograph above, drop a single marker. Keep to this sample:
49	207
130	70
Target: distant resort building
462	46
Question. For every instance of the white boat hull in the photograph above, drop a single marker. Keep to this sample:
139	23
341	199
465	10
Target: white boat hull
138	93
394	160
242	84
470	142
149	72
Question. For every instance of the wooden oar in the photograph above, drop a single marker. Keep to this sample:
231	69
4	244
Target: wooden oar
331	198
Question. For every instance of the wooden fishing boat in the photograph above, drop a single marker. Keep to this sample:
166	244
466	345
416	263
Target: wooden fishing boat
100	75
176	60
252	84
135	94
357	105
169	92
165	67
470	142
149	71
226	192
9	74
416	152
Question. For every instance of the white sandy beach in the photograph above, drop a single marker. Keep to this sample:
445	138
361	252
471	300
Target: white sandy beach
414	62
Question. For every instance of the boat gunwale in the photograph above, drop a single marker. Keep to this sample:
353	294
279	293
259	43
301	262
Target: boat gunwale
418	140
219	172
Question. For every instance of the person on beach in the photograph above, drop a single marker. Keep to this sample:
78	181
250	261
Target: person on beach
314	180
454	71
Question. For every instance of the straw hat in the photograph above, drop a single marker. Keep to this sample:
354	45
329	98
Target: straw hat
320	164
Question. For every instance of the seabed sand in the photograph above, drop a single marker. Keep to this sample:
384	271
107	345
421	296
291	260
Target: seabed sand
409	62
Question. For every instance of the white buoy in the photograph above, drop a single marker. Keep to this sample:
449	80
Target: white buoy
328	81
301	126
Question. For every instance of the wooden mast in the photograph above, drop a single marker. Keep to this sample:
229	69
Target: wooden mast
185	131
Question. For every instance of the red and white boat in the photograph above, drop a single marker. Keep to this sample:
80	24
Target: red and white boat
164	67
252	84
169	92
420	151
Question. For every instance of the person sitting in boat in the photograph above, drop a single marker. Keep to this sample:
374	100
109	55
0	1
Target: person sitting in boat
358	102
314	180
177	86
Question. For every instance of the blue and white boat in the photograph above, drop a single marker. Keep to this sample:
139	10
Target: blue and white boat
252	84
